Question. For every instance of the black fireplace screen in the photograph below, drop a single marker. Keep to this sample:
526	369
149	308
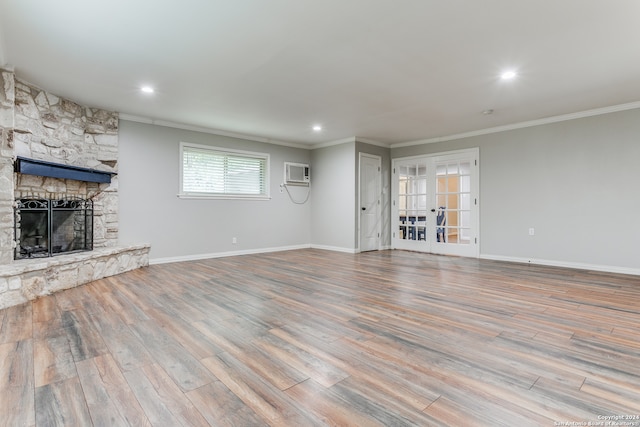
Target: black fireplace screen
46	227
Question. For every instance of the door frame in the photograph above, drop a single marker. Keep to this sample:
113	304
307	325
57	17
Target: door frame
378	191
473	153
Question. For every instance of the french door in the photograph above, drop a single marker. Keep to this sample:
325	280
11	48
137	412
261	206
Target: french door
435	203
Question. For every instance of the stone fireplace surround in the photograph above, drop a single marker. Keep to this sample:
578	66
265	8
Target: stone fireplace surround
38	125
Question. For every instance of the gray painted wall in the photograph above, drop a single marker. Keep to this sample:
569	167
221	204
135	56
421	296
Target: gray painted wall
333	193
151	212
576	182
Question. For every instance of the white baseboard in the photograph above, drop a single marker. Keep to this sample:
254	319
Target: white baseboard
381	248
553	263
334	248
567	264
197	257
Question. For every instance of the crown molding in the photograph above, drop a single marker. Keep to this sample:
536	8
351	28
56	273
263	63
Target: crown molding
373	142
349	140
332	143
149	121
146	120
521	125
353	139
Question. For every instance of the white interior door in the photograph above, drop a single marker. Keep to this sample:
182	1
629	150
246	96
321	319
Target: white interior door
435	203
369	218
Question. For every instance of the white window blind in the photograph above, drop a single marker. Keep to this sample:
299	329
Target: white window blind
214	172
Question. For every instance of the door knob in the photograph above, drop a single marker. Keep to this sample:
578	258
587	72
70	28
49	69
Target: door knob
433	210
363	208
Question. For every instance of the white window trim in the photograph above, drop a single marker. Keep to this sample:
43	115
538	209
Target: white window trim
212	196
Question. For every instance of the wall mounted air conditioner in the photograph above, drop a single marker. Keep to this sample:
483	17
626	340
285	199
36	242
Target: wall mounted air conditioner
296	174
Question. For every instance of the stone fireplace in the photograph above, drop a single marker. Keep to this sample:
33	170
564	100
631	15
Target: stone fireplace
72	215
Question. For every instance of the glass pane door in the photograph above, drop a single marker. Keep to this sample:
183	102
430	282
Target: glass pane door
412	202
453	196
435	203
456	203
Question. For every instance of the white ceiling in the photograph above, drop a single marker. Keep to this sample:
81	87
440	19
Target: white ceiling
389	71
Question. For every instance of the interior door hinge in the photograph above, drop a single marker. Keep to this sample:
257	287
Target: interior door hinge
476	240
475	201
475	162
378	168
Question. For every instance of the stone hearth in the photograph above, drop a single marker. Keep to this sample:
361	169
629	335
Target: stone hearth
31	278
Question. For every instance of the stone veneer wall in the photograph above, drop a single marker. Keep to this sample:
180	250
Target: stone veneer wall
7	101
39	125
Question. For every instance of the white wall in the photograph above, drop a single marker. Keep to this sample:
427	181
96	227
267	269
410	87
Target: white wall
151	212
575	182
333	197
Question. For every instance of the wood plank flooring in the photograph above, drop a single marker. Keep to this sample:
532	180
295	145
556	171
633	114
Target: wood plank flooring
311	338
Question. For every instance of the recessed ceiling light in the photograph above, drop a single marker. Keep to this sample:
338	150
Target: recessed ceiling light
488	112
317	128
508	75
147	89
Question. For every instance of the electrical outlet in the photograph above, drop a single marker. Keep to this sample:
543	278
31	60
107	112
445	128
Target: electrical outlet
532	231
234	240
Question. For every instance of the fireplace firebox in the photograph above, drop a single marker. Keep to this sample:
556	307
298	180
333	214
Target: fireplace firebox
48	227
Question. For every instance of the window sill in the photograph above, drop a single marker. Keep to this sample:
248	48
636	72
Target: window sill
222	197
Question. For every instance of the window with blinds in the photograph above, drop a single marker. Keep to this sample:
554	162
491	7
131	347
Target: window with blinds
212	172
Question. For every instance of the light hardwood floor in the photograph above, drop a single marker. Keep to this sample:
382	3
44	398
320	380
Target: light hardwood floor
310	337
